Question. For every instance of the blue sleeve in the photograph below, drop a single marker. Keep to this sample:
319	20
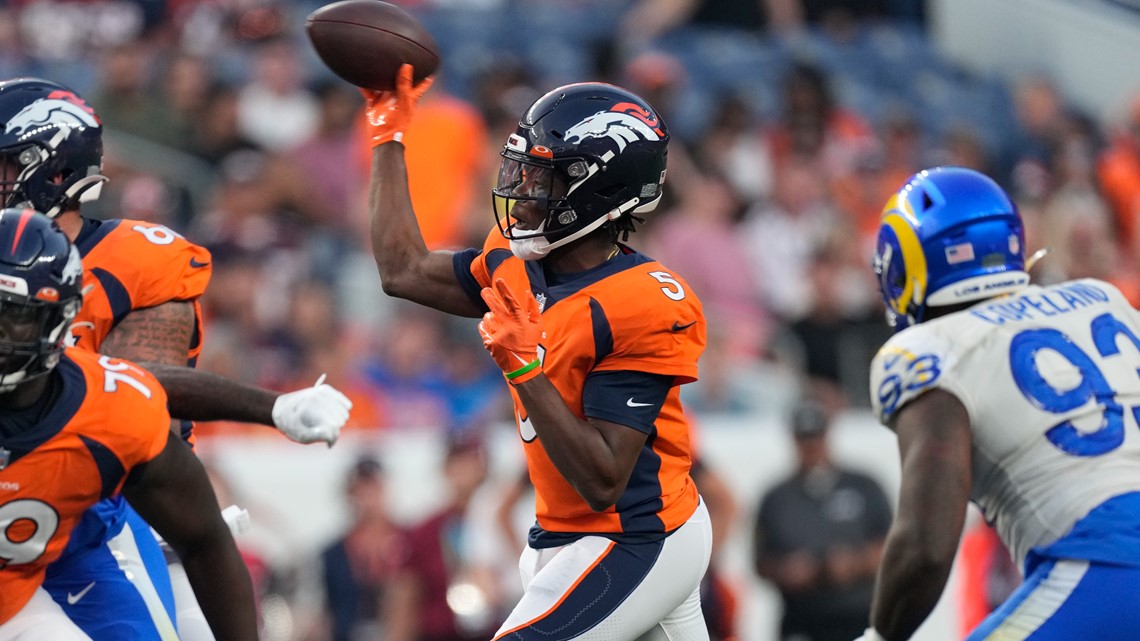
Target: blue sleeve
629	398
461	263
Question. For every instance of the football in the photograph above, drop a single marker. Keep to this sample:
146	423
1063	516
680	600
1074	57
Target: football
365	42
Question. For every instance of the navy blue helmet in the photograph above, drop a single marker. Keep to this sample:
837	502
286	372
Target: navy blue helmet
51	147
584	154
41	280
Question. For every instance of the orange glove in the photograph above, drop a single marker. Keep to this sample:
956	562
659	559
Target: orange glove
390	112
511	332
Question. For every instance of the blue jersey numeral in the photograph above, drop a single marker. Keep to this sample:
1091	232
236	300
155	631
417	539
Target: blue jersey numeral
921	372
1023	351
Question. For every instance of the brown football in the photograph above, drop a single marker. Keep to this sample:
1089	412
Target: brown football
365	42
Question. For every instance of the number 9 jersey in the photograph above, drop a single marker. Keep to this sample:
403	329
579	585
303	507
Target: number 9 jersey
1050	377
604	328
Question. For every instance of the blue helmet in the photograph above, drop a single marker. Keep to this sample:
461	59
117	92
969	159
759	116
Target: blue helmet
51	146
949	236
41	280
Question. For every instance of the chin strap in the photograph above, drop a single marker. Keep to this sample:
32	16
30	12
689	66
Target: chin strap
1037	255
85	190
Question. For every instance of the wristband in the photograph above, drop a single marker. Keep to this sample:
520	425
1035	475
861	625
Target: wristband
529	367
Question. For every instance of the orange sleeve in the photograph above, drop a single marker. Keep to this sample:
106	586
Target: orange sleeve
663	334
496	255
160	266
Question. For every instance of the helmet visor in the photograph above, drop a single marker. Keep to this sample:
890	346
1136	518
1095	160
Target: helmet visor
525	196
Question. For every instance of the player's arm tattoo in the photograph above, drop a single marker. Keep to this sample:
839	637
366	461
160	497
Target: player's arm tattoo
159	334
157	338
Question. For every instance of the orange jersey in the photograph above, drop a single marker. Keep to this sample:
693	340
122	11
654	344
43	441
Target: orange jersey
104	417
629	315
132	265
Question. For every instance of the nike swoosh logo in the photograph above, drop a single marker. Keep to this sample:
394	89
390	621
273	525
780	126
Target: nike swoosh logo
632	404
677	326
83	325
72	599
194	263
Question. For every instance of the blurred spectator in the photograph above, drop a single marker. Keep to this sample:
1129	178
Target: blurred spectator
186	83
124	99
648	19
274	109
814	125
735	146
434	596
217	134
699	239
818	538
362	563
841	331
1040	116
780	236
407	369
879	170
1119	173
1077	226
961	147
326	160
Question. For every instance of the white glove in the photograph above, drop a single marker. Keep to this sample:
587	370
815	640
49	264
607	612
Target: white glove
312	414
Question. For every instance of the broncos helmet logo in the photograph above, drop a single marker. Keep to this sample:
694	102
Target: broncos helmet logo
623	127
73	270
59	109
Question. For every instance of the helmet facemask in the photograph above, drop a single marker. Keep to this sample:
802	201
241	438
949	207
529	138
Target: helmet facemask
32	337
531	202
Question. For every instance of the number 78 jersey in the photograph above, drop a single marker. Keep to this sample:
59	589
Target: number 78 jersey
1050	378
107	418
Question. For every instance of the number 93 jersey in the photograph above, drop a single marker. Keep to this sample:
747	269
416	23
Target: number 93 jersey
623	318
1050	377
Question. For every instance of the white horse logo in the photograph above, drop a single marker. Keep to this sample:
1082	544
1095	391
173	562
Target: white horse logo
620	127
73	270
55	112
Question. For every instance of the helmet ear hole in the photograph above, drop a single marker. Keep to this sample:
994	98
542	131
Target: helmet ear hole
927	201
610	191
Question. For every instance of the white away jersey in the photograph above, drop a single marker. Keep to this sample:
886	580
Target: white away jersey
1051	380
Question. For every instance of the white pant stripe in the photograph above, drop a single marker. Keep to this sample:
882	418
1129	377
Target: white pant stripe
125	550
1042	603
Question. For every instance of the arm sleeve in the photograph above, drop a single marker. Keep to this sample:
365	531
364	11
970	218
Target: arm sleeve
163	265
629	398
909	365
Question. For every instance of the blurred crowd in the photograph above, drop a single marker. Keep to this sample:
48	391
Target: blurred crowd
793	121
